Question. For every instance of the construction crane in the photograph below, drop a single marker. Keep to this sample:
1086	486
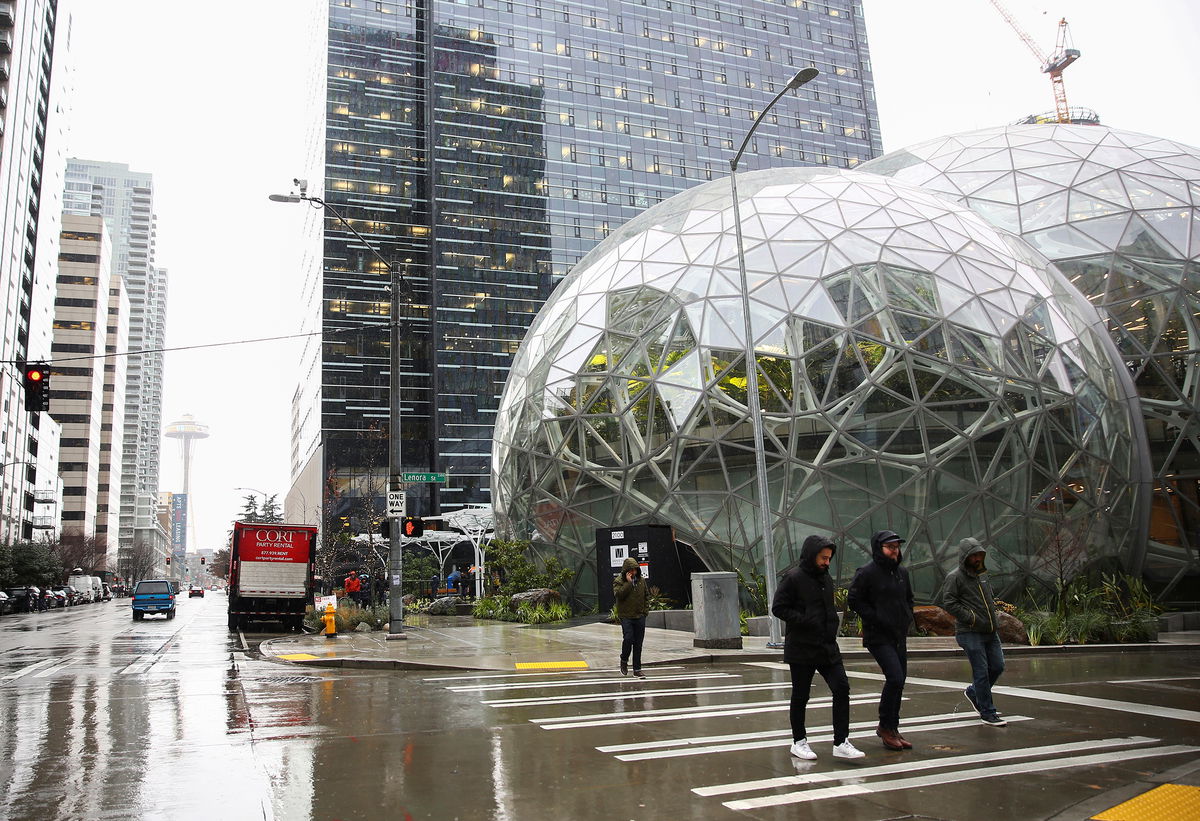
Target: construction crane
1055	64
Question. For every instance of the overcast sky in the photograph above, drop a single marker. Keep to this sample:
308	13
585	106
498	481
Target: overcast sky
211	103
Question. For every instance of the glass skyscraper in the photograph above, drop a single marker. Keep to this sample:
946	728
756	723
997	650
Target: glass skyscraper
484	148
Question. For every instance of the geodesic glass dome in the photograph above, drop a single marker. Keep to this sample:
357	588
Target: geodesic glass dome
919	370
1119	213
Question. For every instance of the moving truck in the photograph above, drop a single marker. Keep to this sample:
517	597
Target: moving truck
270	573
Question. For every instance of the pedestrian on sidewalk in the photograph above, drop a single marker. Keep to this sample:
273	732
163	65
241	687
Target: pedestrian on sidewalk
629	588
353	588
804	601
882	596
967	596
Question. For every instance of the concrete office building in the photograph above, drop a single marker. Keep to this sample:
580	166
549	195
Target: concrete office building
31	157
483	149
125	200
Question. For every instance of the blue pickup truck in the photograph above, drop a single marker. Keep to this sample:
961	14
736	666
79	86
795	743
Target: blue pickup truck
153	596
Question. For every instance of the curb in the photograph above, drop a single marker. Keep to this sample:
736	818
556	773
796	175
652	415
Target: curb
750	656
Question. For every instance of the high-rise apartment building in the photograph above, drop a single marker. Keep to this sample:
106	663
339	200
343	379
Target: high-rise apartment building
125	200
77	387
484	148
31	158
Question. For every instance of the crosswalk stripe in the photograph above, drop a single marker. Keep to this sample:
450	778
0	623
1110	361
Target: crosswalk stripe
759	734
140	665
774	742
630	695
580	682
1058	698
992	771
684	713
49	671
564	674
920	764
24	671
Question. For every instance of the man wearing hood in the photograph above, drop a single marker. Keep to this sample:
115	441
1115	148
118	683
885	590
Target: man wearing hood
804	602
882	596
967	596
629	588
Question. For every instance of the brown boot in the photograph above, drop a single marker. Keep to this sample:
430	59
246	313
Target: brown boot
889	737
904	742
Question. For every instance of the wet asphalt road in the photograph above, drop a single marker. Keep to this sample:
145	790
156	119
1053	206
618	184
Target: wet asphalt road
103	717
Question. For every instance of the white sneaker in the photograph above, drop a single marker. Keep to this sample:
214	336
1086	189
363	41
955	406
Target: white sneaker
847	750
800	749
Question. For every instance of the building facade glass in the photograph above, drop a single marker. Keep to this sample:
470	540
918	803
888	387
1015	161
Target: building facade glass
1119	213
485	148
920	370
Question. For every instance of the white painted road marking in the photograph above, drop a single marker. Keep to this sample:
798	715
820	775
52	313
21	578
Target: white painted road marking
682	713
590	671
26	670
579	682
775	742
990	772
638	694
140	665
1057	698
663	744
918	764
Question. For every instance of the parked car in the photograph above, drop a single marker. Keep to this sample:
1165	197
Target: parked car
153	596
5	602
84	585
58	597
74	596
21	597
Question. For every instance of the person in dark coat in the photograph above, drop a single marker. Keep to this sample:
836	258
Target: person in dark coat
804	602
967	596
882	596
629	589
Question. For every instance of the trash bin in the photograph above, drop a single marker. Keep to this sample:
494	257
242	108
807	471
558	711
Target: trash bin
715	603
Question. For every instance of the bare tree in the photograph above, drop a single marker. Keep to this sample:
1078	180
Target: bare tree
76	549
136	562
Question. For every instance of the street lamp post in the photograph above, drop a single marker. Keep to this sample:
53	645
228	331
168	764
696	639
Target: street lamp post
753	406
395	454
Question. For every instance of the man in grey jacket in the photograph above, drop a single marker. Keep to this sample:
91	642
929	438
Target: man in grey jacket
967	596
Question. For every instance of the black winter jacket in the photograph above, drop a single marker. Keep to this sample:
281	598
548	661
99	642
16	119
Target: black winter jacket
882	596
967	596
804	601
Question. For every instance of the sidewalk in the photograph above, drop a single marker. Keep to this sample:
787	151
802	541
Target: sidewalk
462	643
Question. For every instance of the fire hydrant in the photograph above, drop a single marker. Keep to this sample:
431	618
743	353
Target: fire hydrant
330	621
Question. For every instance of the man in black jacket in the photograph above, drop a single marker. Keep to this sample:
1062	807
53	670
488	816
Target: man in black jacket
804	601
967	596
882	596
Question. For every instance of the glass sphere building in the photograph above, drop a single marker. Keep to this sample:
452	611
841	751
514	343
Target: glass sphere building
1119	214
920	369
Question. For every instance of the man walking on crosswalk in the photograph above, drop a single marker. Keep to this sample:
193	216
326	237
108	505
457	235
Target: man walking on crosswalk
804	601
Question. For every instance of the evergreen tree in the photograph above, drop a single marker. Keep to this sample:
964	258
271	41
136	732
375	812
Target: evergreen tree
250	510
270	511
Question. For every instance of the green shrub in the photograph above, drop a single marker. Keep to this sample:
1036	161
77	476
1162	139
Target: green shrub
657	601
510	560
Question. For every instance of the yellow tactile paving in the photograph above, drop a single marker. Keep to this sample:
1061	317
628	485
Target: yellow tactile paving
298	657
551	665
1170	802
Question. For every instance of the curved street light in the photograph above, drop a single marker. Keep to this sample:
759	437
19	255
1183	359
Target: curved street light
753	405
395	450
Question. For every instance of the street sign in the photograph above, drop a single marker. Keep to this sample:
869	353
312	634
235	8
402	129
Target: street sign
424	477
396	504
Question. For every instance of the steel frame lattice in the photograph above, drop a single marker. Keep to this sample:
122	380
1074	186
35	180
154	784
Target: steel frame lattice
919	370
1119	213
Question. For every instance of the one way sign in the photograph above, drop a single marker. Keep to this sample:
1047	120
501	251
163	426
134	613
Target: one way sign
396	504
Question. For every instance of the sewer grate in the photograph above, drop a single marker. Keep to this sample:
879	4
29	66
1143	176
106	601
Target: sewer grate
287	680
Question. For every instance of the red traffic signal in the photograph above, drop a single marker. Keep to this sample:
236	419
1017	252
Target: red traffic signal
168	561
413	526
35	378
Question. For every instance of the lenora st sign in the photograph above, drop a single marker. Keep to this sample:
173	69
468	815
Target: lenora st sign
423	477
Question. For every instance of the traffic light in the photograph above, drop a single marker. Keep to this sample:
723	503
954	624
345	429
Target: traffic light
201	560
35	377
385	528
168	561
413	526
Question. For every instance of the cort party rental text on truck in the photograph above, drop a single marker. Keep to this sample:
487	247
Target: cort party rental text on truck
270	573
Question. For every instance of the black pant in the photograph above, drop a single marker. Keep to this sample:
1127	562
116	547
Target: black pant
835	676
633	632
893	662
